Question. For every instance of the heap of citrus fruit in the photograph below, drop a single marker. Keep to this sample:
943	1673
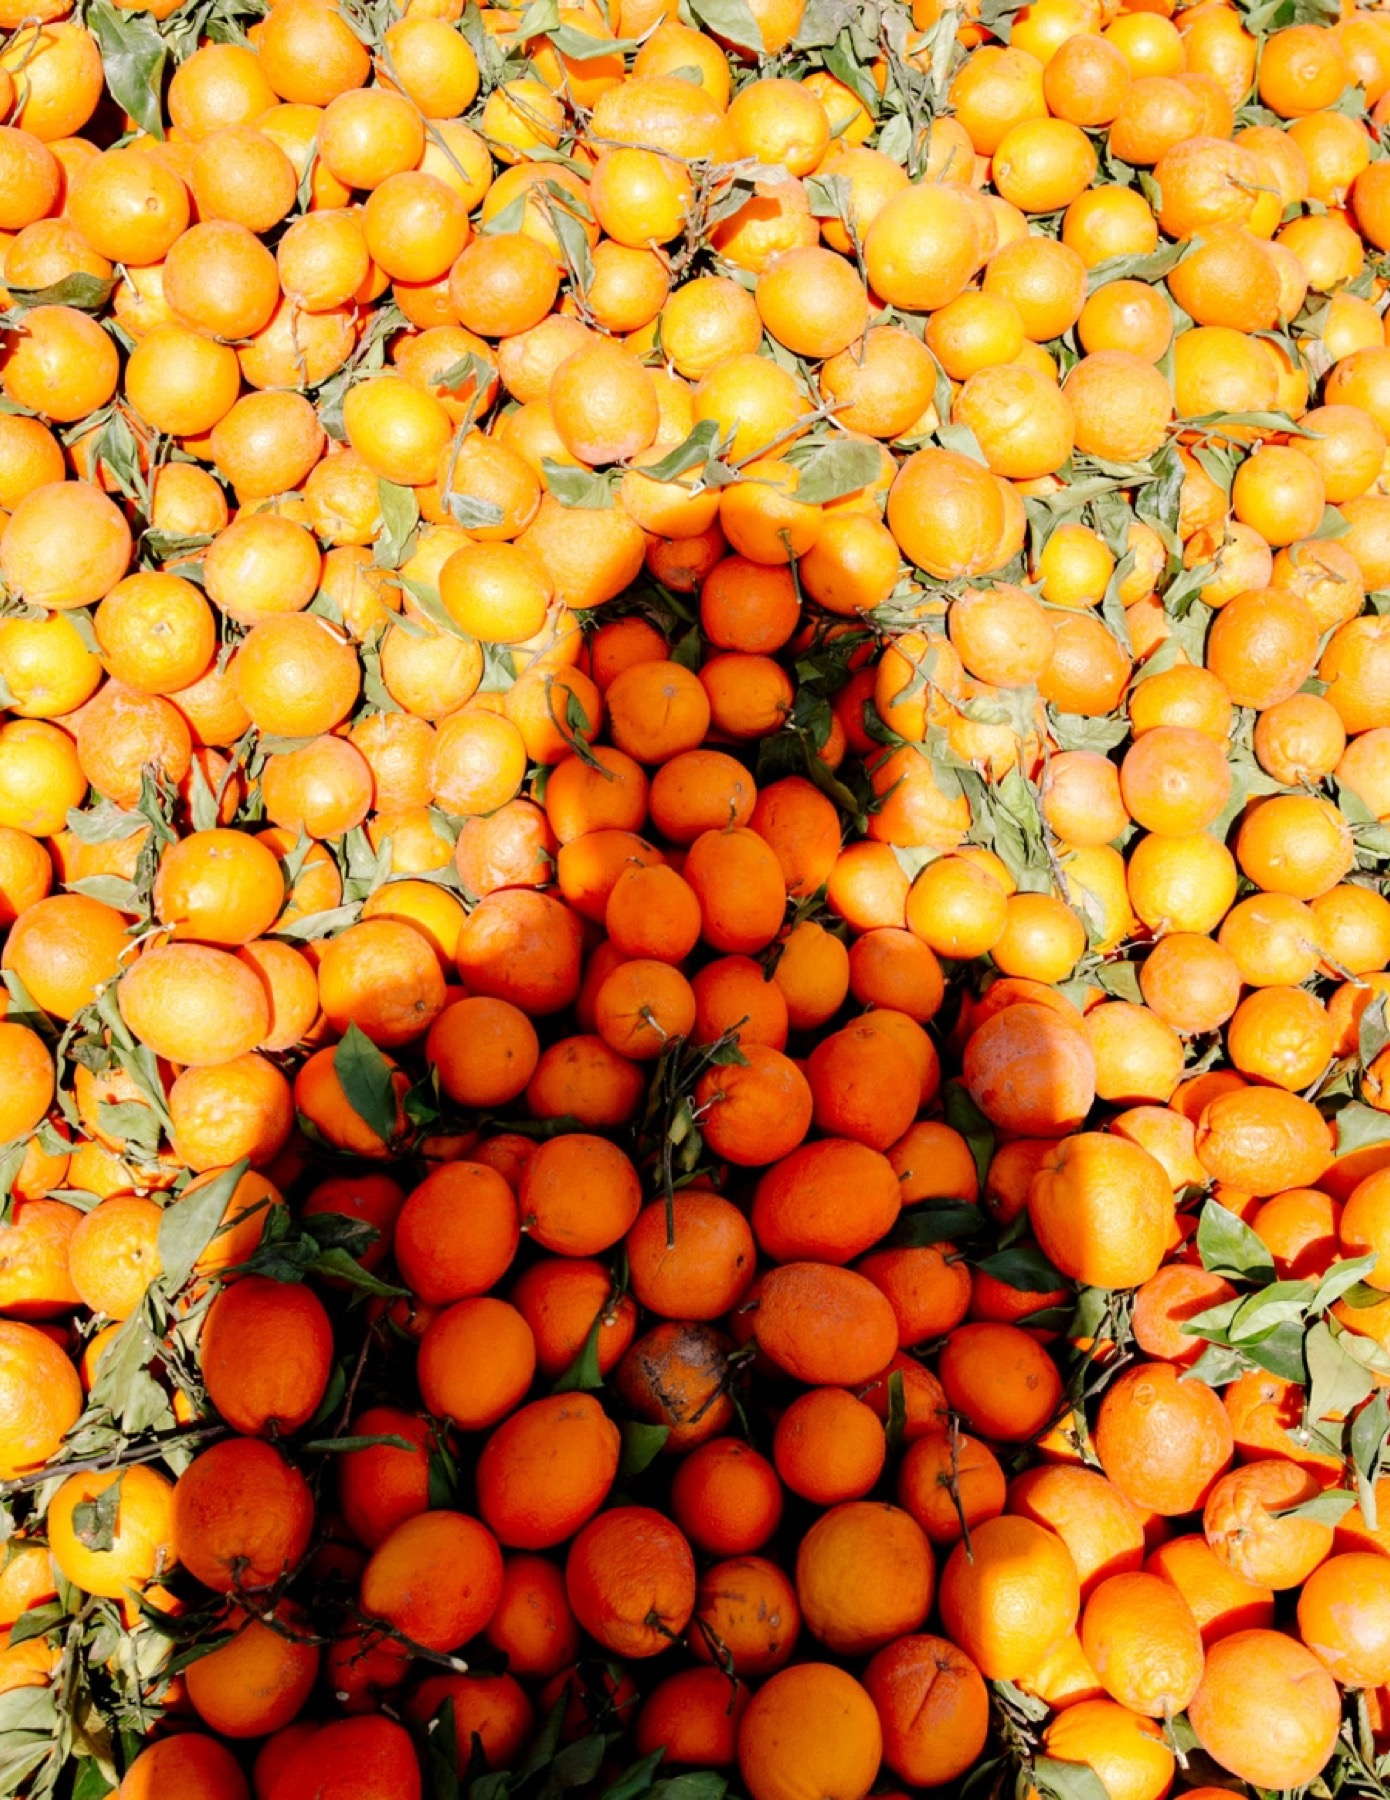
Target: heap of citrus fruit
694	783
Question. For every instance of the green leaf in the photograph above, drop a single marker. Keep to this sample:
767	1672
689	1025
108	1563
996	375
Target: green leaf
964	1116
828	471
86	293
698	1784
583	1375
340	1265
1213	1322
593	491
311	926
582	46
1068	1780
936	1222
400	514
94	1521
642	1444
104	823
442	1753
509	220
1360	1126
133	1122
1074	731
443	1476
191	1223
1120	978
89	1782
1023	1266
830	196
471	513
693	453
1260	1313
568	228
1373	1032
24	1009
36	1622
1368	1448
1340	1279
133	55
1337	1382
730	19
1281	1353
959	438
635	1783
1227	1245
124	1386
823	21
895	1428
1217	1365
540	16
339	1446
1150	268
365	1076
1218	423
11	1162
1330	1507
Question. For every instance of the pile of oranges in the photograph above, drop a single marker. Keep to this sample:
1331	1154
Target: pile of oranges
694	782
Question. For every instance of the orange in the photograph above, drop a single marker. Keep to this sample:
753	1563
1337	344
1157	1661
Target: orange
42	1396
1262	1141
114	1255
1166	1300
578	1195
1095	1185
1093	1519
1266	1711
824	1324
1000	1380
829	1447
182	1767
923	247
241	1515
690	1718
194	1004
1341	1618
1141	1638
1010	1600
64	545
493	1342
726	1497
630	1579
746	1613
532	1622
1031	1071
950	1482
1126	1751
141	1546
220	887
546	1469
253	1393
1164	1440
1247	1522
436	1577
1222	1602
864	1576
350	1751
815	1723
